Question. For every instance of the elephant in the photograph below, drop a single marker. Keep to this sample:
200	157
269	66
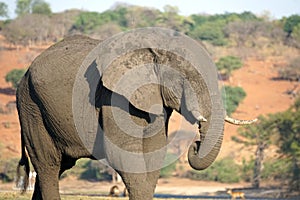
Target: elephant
50	137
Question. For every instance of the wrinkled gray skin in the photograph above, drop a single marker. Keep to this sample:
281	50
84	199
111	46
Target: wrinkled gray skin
44	102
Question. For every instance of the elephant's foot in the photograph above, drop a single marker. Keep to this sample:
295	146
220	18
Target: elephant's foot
140	186
46	185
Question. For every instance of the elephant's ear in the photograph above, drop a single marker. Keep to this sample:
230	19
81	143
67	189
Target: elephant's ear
133	76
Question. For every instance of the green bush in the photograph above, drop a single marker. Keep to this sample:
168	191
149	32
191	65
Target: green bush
224	171
88	169
211	32
276	169
232	96
247	170
8	169
94	170
78	169
86	22
227	64
212	28
14	77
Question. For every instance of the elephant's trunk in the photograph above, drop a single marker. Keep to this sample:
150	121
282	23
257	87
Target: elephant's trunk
201	154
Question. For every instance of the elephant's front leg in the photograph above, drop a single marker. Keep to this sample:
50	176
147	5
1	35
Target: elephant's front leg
135	147
140	186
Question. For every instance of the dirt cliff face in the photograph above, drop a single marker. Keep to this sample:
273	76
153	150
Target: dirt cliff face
11	58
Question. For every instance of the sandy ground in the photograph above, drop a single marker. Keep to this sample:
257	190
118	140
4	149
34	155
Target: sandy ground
174	186
185	188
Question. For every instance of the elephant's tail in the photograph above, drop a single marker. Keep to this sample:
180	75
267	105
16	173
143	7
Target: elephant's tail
23	162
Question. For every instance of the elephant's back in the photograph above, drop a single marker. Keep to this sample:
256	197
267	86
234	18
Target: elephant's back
55	69
52	75
53	72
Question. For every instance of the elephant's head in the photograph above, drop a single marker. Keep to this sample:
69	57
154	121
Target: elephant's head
163	79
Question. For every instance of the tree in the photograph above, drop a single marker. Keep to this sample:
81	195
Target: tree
41	7
290	23
14	77
289	140
141	17
3	10
23	7
284	130
296	32
258	135
32	6
171	19
248	16
227	64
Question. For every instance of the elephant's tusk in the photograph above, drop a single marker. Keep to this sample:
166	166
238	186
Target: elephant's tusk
201	119
238	121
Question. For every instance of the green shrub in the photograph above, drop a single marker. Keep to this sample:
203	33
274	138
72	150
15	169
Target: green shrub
8	169
227	64
88	169
276	169
224	171
14	77
86	22
211	32
247	170
94	170
78	169
232	96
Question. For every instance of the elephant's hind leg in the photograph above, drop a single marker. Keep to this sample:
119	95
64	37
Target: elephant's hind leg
46	164
42	151
46	185
46	161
